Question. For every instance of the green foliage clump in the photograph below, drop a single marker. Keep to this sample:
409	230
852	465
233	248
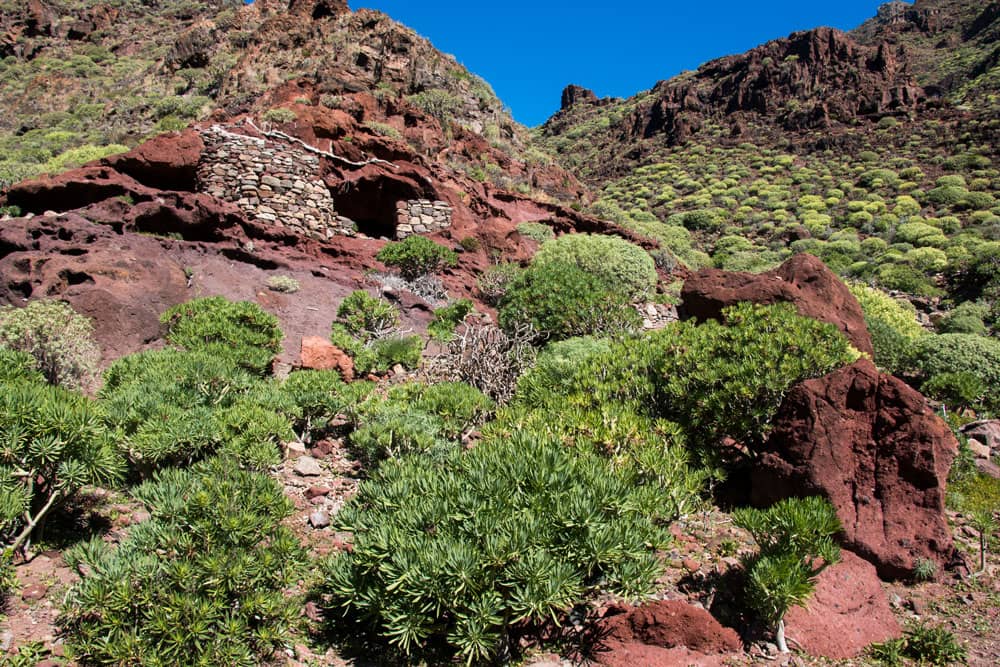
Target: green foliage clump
561	300
441	104
283	284
962	353
405	351
494	282
241	331
54	443
201	582
15	365
367	317
280	115
59	339
795	537
893	326
173	407
728	378
523	529
614	261
924	644
416	256
556	367
446	319
966	318
536	231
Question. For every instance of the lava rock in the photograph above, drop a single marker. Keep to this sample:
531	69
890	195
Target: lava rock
871	445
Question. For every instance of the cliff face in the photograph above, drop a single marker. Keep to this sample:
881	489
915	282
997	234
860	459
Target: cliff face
918	61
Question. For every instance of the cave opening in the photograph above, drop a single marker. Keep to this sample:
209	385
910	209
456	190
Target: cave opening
372	204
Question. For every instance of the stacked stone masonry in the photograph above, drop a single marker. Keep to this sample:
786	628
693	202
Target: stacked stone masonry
279	184
275	183
422	216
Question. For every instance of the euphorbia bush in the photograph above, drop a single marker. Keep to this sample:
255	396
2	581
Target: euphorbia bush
52	443
241	331
200	583
614	261
506	536
59	339
416	256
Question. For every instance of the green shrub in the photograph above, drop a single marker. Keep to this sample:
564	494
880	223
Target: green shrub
458	405
173	408
494	282
536	231
393	432
523	529
556	367
441	104
241	331
367	317
416	256
284	284
54	443
561	300
403	350
728	378
905	278
16	365
319	395
933	645
446	319
966	318
201	582
280	115
614	261
962	353
893	326
59	339
795	537
958	390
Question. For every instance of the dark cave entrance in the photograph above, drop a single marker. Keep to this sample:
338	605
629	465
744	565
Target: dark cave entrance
372	204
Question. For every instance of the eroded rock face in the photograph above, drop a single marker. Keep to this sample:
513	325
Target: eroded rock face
803	281
872	446
848	612
663	634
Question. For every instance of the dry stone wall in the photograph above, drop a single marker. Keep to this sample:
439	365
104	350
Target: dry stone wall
278	183
422	216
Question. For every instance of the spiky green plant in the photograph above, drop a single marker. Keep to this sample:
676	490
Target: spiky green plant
795	538
201	582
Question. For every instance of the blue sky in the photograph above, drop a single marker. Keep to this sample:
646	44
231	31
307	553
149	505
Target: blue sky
528	51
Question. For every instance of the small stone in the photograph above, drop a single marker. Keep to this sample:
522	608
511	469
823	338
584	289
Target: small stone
651	310
6	640
980	450
270	181
307	466
691	565
319	519
294	449
34	592
317	492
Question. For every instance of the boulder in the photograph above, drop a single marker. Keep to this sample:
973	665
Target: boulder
167	161
847	612
320	354
987	432
872	446
803	281
663	634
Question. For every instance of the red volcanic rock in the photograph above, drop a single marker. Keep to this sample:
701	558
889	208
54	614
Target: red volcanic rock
663	634
74	189
321	355
168	161
872	446
803	281
848	611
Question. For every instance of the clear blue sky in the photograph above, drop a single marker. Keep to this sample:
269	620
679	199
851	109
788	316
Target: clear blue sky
528	51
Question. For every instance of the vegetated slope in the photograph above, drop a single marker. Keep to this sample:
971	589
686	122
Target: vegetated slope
876	151
80	79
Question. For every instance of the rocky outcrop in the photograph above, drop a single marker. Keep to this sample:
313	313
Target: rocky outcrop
848	612
810	79
663	634
573	95
803	281
871	445
319	354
